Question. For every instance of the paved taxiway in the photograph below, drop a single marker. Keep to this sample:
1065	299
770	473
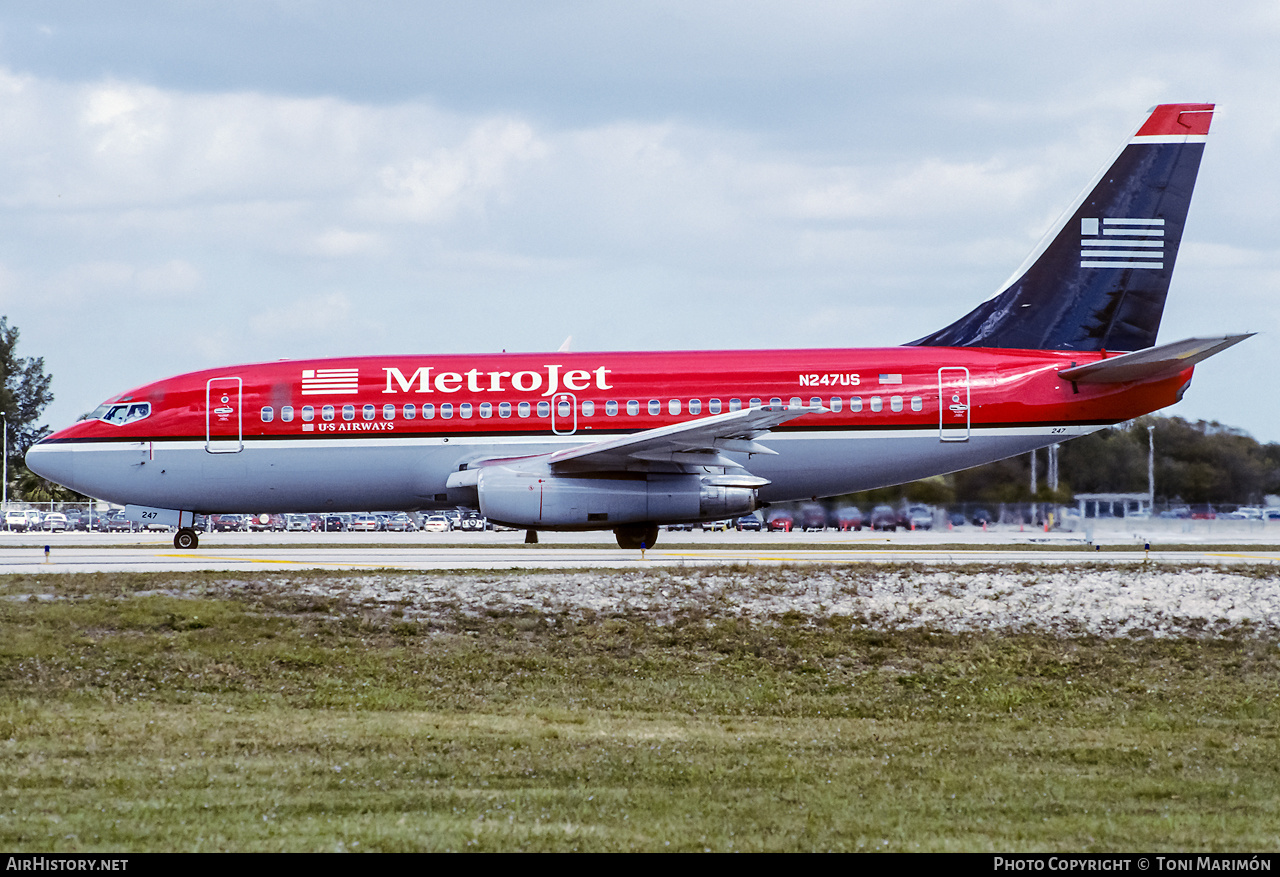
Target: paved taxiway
75	552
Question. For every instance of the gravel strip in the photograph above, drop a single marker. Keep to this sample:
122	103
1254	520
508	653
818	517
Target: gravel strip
1109	602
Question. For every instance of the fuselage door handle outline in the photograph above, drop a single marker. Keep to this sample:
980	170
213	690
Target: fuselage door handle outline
954	404
223	416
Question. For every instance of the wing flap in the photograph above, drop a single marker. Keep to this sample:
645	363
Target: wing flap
694	442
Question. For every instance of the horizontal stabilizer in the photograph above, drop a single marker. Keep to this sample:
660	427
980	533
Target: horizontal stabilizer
1154	363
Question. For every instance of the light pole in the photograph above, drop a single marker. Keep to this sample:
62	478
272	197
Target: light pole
4	495
1151	468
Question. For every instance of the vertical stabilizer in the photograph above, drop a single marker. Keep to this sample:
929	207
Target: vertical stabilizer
1099	279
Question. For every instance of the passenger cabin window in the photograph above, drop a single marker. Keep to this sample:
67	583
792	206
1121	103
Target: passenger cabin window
876	404
428	411
388	412
504	409
446	410
735	404
673	407
755	403
895	402
486	409
794	402
286	413
523	409
695	407
410	411
777	401
611	408
268	414
128	412
855	403
369	412
544	409
348	412
836	404
588	408
308	413
714	406
464	410
655	407
917	404
326	413
633	407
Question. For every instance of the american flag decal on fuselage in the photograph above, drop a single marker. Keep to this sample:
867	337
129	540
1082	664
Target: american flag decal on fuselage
330	381
1121	243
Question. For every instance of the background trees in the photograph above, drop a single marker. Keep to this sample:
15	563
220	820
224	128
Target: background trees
1201	462
24	394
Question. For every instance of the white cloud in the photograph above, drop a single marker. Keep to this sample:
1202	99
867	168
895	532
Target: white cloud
329	315
110	281
435	186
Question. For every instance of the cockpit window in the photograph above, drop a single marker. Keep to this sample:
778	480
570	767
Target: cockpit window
126	412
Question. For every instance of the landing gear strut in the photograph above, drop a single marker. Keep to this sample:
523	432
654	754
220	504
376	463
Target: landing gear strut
636	535
186	539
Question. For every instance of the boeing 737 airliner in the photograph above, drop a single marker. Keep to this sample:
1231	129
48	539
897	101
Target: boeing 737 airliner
626	441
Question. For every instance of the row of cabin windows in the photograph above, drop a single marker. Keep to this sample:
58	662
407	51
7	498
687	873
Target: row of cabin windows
564	408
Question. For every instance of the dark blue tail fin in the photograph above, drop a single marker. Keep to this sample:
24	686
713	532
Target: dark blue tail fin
1098	280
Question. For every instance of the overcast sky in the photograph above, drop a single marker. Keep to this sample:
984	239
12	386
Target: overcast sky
193	184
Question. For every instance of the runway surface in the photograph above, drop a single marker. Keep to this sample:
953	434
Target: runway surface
157	554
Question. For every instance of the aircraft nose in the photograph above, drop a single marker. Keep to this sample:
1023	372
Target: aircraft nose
53	462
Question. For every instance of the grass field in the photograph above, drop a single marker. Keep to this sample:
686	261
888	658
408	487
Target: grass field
212	712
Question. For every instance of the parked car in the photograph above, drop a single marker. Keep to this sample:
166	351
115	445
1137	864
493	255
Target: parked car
715	526
436	524
401	523
980	517
263	522
848	518
883	517
813	517
15	520
365	523
54	522
118	523
472	522
749	522
919	517
230	523
780	521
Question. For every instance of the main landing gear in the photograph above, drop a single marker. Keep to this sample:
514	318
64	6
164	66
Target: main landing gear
186	539
636	535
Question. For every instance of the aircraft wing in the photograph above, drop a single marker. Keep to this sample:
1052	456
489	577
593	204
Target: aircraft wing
695	442
1154	363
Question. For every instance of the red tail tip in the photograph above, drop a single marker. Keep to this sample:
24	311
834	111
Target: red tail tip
1177	119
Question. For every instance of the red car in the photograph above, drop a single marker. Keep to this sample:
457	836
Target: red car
781	520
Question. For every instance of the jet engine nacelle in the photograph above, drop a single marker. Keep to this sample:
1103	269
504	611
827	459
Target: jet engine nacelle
591	502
